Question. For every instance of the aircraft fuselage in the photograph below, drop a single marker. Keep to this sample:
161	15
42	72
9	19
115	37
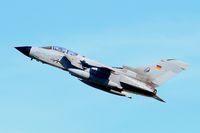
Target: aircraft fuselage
90	72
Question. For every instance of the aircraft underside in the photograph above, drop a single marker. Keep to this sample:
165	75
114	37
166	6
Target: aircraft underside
117	91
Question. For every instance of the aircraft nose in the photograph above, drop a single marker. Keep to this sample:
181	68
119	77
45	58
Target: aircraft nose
25	50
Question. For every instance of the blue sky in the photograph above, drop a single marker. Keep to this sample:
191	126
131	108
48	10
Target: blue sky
37	98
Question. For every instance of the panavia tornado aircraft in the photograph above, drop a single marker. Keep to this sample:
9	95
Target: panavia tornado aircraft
116	80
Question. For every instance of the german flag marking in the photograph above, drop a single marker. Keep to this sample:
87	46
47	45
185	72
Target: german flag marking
158	67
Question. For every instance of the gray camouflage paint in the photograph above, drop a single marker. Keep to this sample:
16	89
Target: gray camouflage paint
118	81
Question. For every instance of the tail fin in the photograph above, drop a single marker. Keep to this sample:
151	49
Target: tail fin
161	72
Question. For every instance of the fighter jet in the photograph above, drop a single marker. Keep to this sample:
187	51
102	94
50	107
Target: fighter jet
121	81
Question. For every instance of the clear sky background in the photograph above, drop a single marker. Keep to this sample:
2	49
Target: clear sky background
36	98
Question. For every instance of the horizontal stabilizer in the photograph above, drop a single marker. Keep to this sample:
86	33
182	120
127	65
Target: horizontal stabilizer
159	99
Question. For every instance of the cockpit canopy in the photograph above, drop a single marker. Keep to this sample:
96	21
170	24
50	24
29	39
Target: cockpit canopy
60	49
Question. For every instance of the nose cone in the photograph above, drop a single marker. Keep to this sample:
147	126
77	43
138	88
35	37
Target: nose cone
25	50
